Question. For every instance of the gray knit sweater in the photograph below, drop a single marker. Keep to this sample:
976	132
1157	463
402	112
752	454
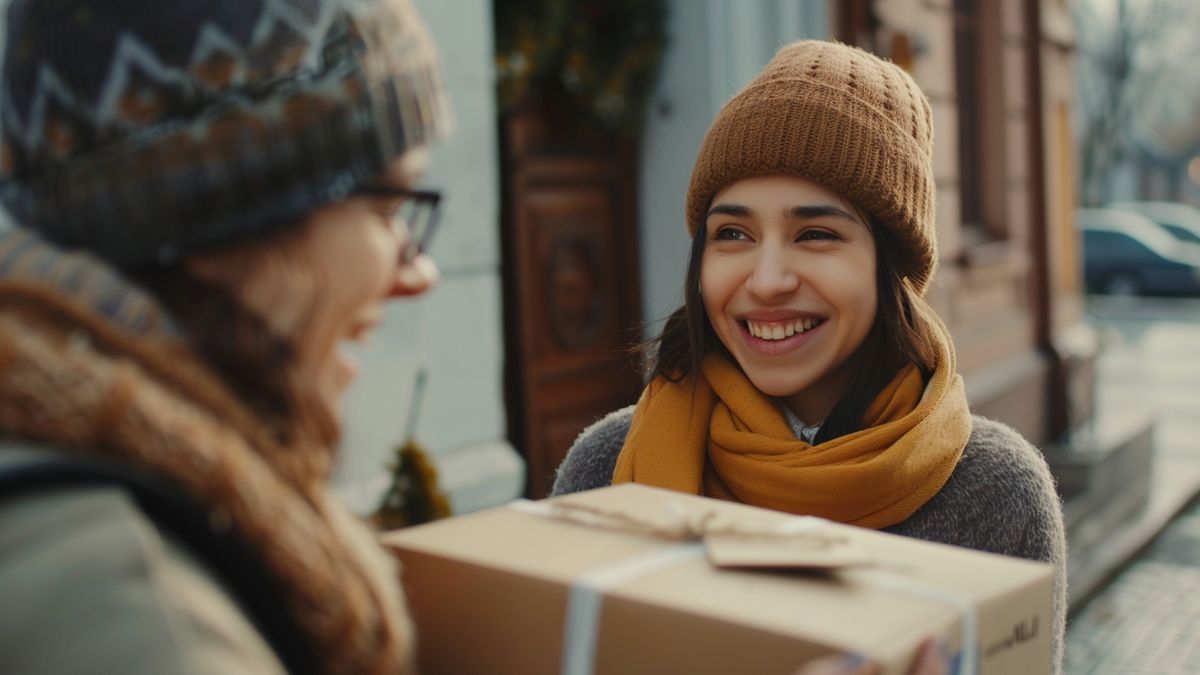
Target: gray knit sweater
1000	498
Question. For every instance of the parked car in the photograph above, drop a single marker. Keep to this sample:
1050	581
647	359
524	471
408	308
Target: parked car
1128	254
1181	220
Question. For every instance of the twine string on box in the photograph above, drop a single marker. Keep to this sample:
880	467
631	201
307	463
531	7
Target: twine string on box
684	526
582	622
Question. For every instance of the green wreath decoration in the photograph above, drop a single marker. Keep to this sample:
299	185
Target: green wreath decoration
604	55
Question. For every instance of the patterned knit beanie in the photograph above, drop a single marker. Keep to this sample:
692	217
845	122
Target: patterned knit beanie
140	129
844	118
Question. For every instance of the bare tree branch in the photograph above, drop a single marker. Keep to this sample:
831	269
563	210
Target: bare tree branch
1122	45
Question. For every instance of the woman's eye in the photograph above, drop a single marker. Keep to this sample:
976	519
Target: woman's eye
730	234
817	235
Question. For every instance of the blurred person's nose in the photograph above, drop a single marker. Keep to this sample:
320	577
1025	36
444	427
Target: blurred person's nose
414	277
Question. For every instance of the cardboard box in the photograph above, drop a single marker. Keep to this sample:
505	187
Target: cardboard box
491	592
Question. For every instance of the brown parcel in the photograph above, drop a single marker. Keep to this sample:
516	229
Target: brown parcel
489	590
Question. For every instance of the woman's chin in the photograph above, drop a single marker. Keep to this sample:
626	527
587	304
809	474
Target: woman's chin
775	390
345	370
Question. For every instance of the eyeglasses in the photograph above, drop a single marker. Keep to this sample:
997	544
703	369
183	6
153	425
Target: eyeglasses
417	212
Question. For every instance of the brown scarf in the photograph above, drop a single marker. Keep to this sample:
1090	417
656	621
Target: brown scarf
74	378
723	438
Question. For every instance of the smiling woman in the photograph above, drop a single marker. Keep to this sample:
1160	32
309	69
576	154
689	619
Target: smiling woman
805	371
783	251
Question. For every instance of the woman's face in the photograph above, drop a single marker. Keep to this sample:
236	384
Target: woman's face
322	284
788	282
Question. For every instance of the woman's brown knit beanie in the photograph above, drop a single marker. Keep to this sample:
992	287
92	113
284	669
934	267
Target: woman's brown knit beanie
839	116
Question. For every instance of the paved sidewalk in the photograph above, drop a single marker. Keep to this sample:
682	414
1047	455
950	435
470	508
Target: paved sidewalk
1147	619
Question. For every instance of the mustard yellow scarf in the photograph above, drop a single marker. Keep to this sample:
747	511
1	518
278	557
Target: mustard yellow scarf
726	439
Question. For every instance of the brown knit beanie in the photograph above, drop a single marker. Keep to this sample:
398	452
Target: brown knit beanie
839	116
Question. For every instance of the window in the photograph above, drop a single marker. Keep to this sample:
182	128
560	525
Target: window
966	57
982	177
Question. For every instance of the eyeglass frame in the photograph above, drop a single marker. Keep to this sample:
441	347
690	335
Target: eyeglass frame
420	233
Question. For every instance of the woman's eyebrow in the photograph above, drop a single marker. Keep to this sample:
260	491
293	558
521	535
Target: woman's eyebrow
730	210
810	212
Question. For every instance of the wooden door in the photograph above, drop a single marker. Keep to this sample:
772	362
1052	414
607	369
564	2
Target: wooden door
572	290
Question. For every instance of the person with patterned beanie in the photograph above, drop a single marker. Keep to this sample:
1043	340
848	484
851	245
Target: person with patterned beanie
210	198
805	372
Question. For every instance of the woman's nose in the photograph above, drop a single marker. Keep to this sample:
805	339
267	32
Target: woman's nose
773	274
414	277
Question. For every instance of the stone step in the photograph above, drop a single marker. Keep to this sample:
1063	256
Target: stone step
1175	482
1105	476
1101	461
1119	491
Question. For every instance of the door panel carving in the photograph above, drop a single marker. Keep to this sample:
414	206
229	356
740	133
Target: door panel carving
571	290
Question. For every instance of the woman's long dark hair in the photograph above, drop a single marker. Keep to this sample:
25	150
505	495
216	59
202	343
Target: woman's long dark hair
902	333
239	345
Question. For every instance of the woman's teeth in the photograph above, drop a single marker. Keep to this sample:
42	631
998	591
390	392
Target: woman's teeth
776	330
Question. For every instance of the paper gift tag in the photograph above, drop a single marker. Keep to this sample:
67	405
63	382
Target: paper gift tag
807	551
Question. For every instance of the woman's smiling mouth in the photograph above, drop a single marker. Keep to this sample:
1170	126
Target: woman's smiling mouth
778	336
778	330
